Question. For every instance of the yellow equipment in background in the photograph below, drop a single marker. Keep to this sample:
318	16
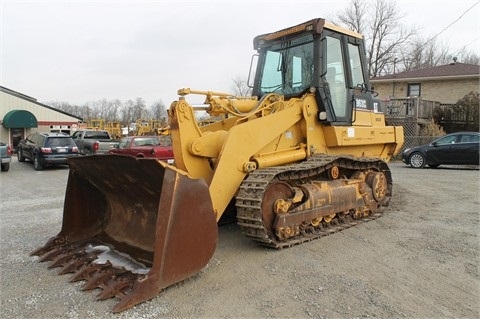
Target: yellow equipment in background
114	129
96	124
147	127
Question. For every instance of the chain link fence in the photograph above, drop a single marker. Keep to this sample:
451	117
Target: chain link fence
412	137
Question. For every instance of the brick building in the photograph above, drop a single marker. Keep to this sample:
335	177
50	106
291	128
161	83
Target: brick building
414	99
445	84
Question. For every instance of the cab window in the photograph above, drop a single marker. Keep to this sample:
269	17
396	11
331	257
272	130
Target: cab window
355	65
288	68
336	77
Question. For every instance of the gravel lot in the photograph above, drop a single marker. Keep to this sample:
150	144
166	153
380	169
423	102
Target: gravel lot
419	260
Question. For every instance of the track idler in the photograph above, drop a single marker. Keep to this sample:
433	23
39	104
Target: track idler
311	203
131	227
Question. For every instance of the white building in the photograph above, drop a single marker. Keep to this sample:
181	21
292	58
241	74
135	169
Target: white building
21	115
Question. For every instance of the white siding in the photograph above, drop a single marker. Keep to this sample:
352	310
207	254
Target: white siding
45	116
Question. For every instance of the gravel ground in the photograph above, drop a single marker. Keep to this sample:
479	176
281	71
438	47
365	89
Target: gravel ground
419	260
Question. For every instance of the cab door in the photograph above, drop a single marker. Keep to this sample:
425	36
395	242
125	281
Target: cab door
358	84
336	79
347	78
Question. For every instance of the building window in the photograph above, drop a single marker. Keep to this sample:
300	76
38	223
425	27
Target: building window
414	90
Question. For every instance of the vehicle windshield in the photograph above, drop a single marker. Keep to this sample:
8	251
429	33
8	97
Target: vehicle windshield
146	141
123	143
100	135
59	142
288	67
447	140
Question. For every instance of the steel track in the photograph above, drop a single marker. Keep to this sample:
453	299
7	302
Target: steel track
251	192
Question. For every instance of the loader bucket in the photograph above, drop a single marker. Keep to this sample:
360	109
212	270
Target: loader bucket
131	227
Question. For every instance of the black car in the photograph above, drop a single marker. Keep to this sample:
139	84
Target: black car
47	149
459	148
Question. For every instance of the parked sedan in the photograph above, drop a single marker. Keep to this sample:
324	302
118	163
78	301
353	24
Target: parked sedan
47	149
459	148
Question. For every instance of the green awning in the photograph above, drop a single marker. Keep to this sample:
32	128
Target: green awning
19	119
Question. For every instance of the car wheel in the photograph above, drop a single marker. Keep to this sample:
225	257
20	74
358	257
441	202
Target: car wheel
5	167
20	157
417	160
36	164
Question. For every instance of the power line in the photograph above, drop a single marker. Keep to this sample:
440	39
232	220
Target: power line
452	22
466	45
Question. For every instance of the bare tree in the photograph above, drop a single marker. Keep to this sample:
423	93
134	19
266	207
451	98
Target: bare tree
353	17
464	56
158	111
390	46
139	108
115	107
127	112
240	87
114	110
63	106
103	108
92	110
384	35
422	54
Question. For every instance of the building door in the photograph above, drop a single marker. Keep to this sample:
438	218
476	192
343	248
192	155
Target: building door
16	134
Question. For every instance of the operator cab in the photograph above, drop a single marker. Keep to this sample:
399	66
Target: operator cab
319	57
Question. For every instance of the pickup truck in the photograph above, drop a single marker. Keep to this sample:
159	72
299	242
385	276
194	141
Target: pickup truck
90	142
145	146
6	156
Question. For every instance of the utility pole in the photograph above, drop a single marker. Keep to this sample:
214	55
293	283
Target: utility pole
394	64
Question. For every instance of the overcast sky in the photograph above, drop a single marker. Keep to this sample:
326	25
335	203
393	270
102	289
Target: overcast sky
81	51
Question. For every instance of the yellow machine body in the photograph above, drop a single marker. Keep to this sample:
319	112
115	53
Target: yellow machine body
277	132
304	156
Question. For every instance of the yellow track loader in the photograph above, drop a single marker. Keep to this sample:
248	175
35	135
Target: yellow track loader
305	156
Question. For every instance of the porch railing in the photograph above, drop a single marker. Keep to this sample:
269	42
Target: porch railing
413	108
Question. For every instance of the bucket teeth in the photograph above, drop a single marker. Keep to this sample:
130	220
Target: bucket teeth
101	278
77	262
72	266
64	258
86	272
116	286
97	278
50	255
49	245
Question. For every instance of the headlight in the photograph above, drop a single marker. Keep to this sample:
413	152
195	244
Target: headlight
406	150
